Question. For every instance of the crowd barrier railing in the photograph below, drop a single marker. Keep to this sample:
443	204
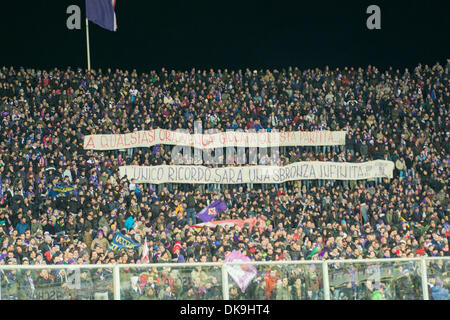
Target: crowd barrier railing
390	279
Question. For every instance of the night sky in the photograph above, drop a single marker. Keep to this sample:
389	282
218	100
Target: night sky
227	34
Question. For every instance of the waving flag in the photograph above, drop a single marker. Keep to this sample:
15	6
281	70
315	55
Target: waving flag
145	252
252	222
211	211
120	241
241	274
101	12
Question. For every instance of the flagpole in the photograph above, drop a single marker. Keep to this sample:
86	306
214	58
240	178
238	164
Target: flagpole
87	45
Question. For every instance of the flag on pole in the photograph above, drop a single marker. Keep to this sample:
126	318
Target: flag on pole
145	252
101	12
211	211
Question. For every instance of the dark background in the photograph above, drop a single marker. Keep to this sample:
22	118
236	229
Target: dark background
182	34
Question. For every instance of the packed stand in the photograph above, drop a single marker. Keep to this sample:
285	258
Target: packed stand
393	115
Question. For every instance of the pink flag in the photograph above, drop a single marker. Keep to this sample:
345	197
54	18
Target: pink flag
145	252
233	222
241	274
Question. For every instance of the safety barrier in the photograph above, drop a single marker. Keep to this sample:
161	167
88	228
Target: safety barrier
391	279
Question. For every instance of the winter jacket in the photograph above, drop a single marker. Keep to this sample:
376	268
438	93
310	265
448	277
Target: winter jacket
103	243
439	293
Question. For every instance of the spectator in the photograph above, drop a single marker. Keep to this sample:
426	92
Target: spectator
439	292
22	226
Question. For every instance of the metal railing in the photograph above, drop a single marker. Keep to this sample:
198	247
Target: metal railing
397	279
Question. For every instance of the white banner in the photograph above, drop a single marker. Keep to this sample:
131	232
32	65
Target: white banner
308	170
148	138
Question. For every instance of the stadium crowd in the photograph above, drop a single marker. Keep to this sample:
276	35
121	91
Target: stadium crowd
393	115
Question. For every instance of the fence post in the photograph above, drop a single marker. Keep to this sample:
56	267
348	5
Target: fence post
225	292
424	279
326	283
116	282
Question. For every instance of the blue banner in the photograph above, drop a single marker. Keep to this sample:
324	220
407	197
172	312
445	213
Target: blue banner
60	191
120	241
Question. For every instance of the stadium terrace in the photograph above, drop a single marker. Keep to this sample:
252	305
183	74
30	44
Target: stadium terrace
82	164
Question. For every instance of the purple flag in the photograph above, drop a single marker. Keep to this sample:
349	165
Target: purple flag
101	12
156	149
241	274
211	211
